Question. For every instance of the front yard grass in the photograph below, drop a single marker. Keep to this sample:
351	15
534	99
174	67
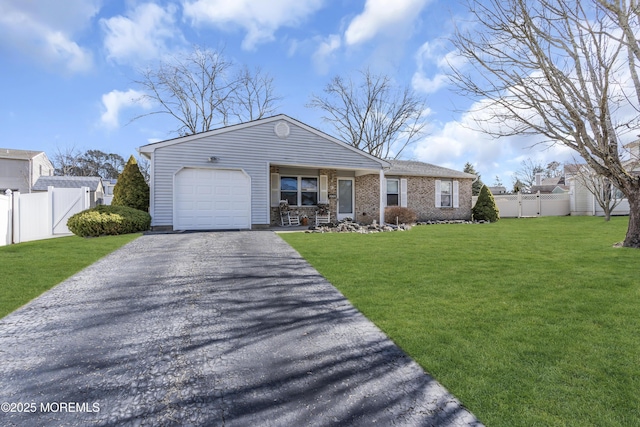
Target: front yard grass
529	322
31	268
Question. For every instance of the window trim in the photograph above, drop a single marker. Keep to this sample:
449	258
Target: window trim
455	190
397	180
449	193
299	189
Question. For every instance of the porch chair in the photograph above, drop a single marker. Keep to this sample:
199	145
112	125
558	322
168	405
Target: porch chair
287	219
323	215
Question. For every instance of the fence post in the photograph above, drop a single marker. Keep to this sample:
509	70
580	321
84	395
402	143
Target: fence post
519	204
16	217
9	235
86	198
50	202
538	199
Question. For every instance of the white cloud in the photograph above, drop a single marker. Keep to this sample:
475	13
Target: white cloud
425	84
45	32
143	34
383	16
260	19
456	142
325	52
429	57
115	101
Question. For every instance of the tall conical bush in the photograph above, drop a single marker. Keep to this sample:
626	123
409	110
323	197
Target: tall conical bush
485	208
131	190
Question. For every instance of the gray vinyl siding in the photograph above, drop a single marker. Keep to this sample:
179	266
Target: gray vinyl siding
14	175
251	149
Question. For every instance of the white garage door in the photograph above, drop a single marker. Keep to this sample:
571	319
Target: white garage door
212	199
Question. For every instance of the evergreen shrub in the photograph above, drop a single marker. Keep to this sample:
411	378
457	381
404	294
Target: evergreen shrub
485	208
108	221
131	190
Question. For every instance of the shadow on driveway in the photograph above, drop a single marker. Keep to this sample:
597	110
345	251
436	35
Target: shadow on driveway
231	329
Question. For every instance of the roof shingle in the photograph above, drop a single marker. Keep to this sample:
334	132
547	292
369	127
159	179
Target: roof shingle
67	182
415	168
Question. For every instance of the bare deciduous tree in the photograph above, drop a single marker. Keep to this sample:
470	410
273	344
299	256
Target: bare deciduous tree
564	69
373	114
254	95
603	191
203	90
526	175
66	161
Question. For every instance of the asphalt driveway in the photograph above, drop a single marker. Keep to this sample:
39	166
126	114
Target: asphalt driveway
232	329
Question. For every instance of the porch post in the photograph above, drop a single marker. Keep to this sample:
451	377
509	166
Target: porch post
383	192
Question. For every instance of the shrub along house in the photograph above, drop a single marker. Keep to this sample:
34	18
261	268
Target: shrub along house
236	177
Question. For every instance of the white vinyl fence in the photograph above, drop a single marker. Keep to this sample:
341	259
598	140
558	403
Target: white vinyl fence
36	216
531	205
5	220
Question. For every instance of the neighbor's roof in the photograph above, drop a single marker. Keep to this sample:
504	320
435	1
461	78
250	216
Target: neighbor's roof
67	182
414	168
9	153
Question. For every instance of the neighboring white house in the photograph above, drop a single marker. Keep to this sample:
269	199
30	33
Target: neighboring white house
109	185
583	202
93	182
20	169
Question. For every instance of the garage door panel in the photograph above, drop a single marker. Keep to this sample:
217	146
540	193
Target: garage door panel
212	199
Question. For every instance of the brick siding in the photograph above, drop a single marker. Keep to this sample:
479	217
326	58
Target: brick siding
420	198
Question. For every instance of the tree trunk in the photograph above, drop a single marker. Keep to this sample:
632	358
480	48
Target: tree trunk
632	240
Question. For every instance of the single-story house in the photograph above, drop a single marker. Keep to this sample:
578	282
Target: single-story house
235	177
93	182
20	169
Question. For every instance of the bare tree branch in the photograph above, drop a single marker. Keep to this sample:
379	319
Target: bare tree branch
372	114
563	69
603	191
203	90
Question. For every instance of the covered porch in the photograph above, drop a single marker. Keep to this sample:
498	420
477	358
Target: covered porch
313	195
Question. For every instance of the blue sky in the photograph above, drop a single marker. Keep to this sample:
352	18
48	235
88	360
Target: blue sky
68	68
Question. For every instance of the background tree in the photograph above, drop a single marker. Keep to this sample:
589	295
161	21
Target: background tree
566	70
98	163
372	113
485	208
526	175
131	190
477	184
603	191
144	165
517	186
66	161
71	162
554	169
203	90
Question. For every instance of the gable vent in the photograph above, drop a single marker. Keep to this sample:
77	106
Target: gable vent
282	129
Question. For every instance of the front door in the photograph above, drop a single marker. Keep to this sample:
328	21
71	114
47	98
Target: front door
346	200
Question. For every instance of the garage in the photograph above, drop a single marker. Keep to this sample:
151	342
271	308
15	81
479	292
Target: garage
212	199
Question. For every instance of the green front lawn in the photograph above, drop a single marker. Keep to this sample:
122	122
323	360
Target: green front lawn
30	268
529	322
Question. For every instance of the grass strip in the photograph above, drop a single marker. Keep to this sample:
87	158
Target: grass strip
31	268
